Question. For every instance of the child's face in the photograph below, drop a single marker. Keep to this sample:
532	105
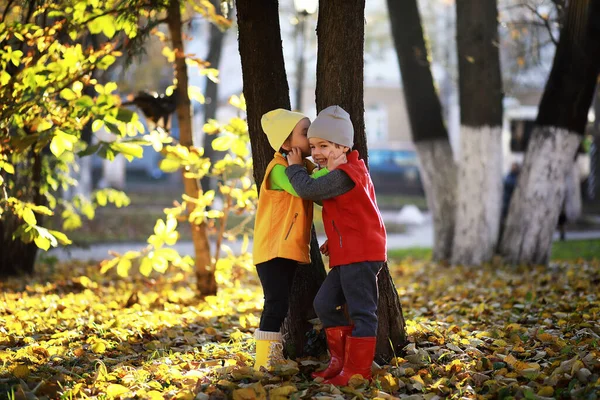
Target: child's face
298	138
321	150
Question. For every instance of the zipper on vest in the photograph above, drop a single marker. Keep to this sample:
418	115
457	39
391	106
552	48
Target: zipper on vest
291	226
338	232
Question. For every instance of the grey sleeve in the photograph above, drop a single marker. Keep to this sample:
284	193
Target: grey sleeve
335	183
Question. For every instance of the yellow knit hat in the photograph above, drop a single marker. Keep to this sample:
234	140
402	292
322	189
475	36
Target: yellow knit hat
278	124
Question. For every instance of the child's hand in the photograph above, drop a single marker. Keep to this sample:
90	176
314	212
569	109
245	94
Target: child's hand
325	249
334	162
294	156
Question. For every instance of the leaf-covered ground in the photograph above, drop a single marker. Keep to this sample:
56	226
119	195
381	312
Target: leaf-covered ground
491	332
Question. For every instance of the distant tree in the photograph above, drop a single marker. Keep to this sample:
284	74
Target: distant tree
437	166
479	188
560	124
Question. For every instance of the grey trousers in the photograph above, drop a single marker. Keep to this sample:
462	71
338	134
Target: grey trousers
356	286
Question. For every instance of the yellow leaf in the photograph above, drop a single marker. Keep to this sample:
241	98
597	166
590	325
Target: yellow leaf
546	391
115	390
389	383
282	391
510	360
418	379
123	267
99	347
21	371
210	331
146	266
155	395
546	337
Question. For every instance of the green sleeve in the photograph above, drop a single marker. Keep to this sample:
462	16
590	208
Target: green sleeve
317	173
278	179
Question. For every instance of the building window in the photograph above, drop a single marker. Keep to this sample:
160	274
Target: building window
376	123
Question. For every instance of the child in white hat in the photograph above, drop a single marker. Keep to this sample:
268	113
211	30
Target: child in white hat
356	244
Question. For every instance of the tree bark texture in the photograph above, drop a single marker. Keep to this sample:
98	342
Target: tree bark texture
539	196
205	276
306	284
479	196
561	121
16	256
437	166
340	65
340	62
479	187
265	82
266	88
438	172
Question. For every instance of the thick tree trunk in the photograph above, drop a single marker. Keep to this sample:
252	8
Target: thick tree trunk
307	282
340	63
438	172
479	188
205	277
437	166
211	93
16	256
340	66
561	121
266	88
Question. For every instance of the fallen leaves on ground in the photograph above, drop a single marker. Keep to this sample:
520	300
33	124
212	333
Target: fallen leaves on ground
489	332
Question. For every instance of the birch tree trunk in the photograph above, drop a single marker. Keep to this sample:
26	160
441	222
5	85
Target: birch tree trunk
561	121
266	88
205	277
437	166
340	68
479	189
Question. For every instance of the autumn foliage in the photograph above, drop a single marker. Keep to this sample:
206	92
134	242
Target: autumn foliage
489	333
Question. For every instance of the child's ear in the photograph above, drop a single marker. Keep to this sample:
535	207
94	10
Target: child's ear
286	146
346	149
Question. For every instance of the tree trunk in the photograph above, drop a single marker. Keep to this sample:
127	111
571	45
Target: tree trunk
266	88
479	189
340	65
205	277
16	256
561	121
437	166
211	93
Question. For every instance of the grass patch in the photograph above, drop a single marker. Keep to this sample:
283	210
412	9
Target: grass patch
576	249
571	250
414	253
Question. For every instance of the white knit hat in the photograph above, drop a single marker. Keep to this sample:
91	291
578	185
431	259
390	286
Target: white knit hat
278	124
333	124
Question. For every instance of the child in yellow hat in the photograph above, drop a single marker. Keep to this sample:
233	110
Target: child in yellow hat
281	230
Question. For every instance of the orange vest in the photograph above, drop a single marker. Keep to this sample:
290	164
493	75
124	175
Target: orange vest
283	223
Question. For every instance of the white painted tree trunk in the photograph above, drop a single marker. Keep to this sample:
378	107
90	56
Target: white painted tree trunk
479	195
438	172
539	195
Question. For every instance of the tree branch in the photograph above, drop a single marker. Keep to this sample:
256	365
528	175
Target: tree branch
8	6
546	23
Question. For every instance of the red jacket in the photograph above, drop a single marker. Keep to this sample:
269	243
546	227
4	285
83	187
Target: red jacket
353	224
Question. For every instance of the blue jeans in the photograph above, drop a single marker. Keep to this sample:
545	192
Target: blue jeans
356	286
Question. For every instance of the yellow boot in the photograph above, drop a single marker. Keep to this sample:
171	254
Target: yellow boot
269	349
